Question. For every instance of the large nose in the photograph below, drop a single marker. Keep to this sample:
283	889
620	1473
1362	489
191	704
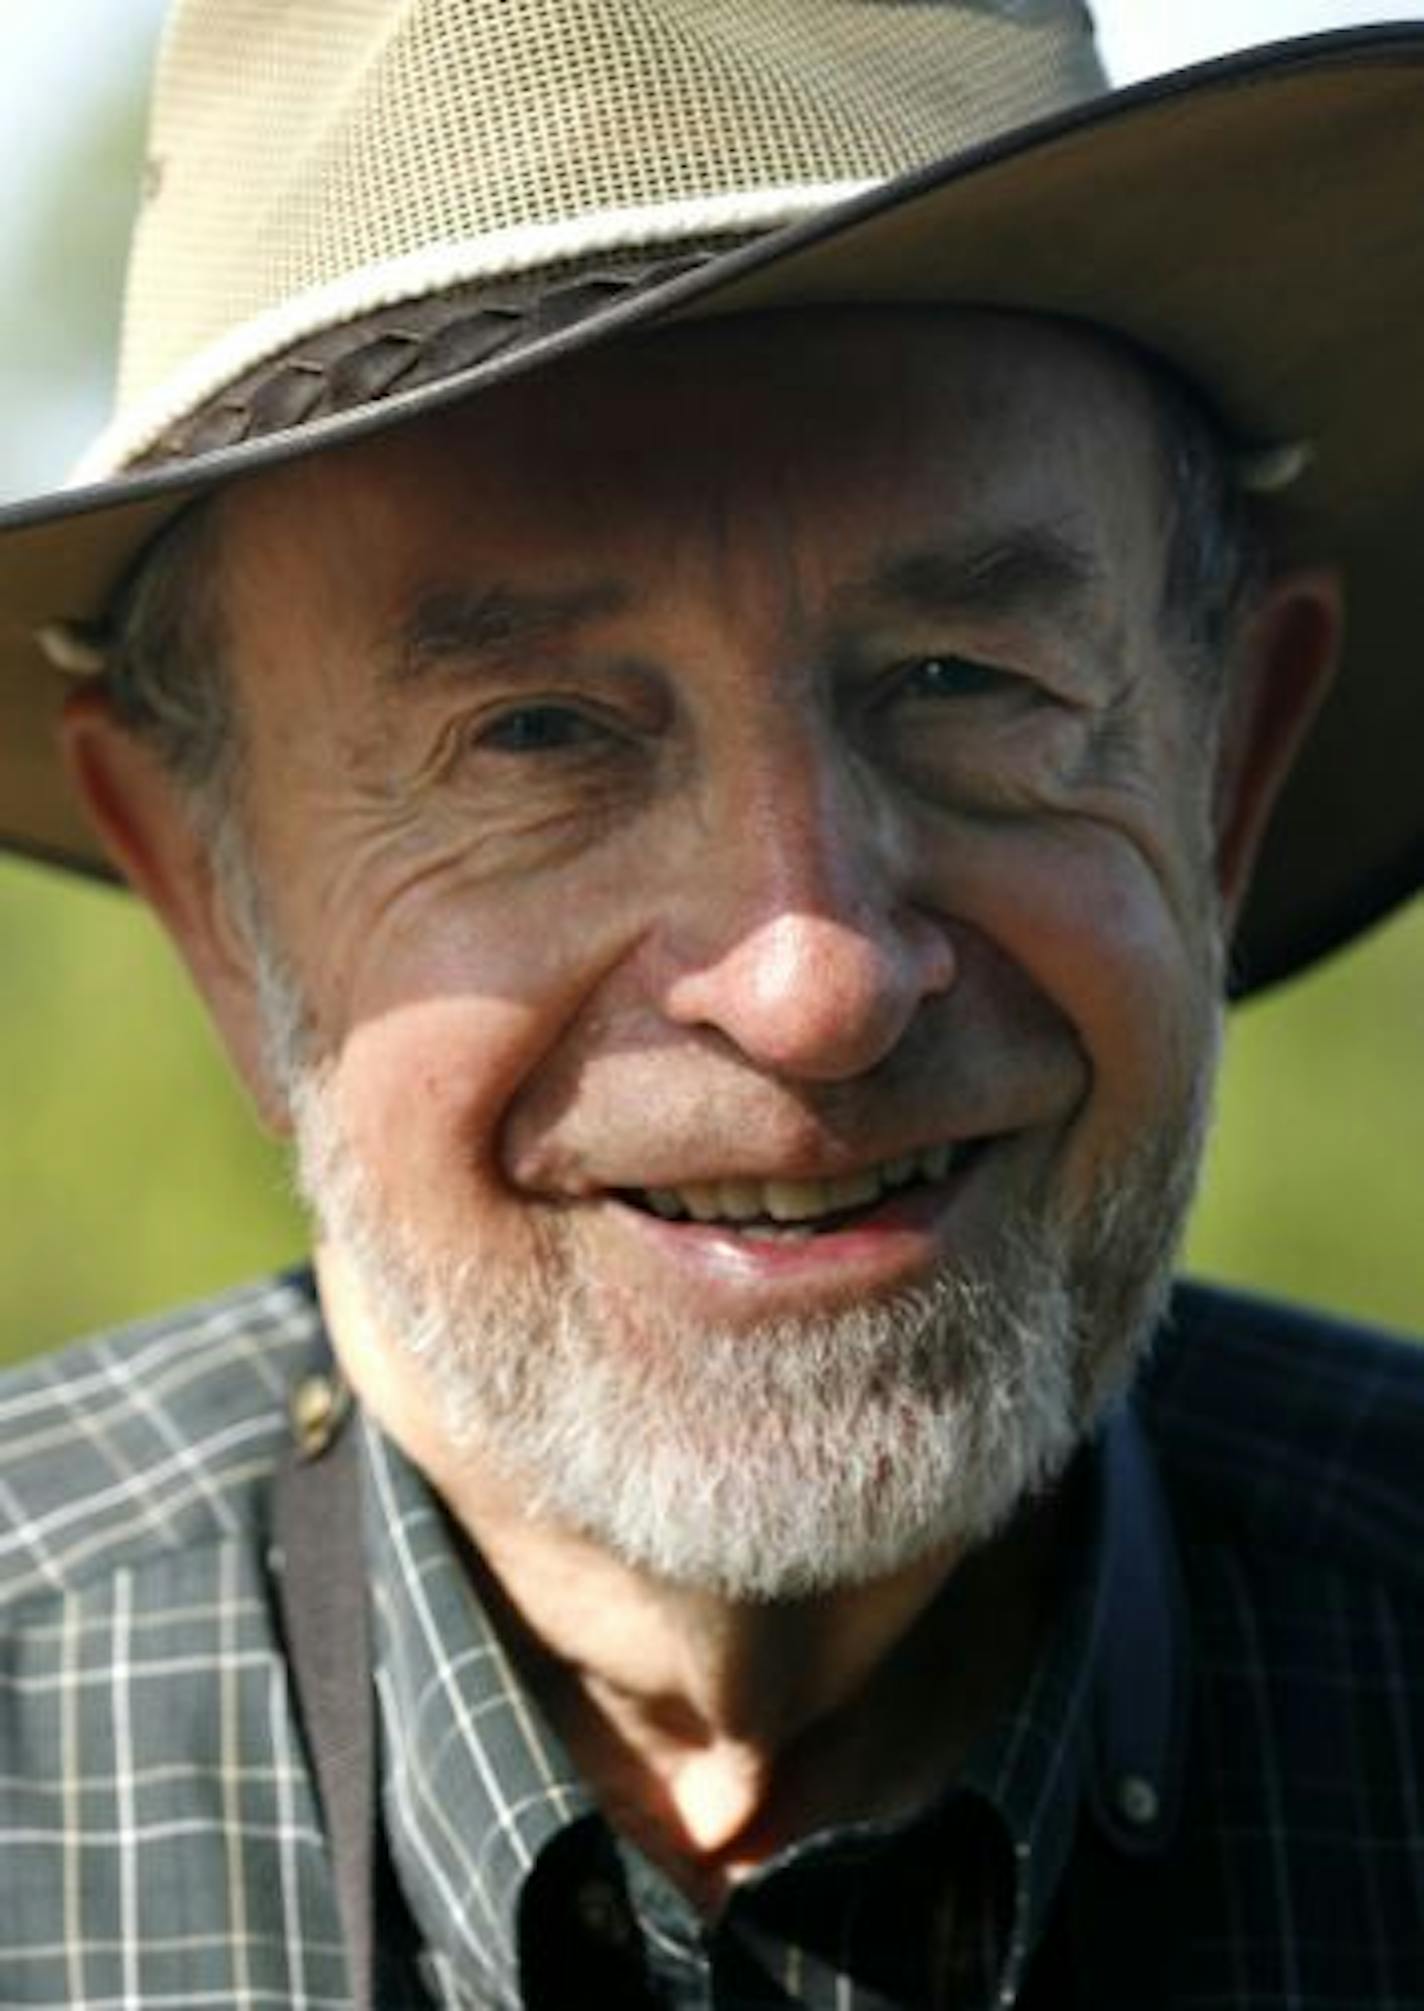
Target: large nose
799	940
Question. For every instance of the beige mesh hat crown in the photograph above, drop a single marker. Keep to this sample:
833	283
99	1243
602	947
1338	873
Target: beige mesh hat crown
389	151
355	210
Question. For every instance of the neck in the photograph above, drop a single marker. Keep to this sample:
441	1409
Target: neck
716	1731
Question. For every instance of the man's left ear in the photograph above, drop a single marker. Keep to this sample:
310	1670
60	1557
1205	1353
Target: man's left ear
1284	659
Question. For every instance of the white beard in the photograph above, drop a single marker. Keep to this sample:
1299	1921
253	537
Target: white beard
779	1460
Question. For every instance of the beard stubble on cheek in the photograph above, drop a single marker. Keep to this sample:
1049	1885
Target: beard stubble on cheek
777	1460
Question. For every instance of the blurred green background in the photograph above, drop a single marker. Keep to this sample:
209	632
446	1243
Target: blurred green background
130	1172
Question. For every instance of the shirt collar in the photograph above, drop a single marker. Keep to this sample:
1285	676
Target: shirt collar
1138	1732
475	1788
1100	1725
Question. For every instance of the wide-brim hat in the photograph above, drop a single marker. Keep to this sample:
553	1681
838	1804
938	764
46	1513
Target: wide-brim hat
562	173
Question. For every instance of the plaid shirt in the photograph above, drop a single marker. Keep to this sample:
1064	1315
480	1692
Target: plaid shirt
1209	1796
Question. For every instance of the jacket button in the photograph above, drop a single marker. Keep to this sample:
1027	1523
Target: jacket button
1138	1802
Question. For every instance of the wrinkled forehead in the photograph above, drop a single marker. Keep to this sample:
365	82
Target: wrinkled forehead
824	424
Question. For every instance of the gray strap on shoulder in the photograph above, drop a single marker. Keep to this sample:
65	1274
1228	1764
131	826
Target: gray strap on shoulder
316	1519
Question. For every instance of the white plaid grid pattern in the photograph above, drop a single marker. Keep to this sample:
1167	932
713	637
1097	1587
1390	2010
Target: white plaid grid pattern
159	1838
474	1785
160	1842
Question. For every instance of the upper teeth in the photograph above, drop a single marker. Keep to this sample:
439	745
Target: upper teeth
796	1200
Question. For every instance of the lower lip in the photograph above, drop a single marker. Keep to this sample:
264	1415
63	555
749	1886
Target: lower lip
894	1245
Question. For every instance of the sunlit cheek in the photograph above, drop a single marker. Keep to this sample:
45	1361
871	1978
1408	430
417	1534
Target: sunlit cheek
421	1086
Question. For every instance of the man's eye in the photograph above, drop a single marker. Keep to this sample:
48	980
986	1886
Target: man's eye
539	729
952	677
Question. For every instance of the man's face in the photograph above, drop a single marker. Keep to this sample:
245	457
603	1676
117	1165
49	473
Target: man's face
743	849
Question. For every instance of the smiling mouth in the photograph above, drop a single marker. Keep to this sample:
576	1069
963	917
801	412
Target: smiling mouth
800	1208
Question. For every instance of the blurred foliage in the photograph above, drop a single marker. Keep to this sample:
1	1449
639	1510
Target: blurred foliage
66	252
1314	1182
131	1169
131	1174
86	210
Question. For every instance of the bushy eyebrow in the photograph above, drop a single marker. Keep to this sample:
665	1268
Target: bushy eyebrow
464	628
1032	570
1029	571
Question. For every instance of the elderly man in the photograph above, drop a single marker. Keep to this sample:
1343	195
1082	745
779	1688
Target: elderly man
700	693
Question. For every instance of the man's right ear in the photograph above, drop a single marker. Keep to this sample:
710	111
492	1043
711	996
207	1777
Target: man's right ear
142	814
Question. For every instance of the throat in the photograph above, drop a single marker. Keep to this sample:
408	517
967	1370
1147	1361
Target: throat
755	1729
715	1799
706	1817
